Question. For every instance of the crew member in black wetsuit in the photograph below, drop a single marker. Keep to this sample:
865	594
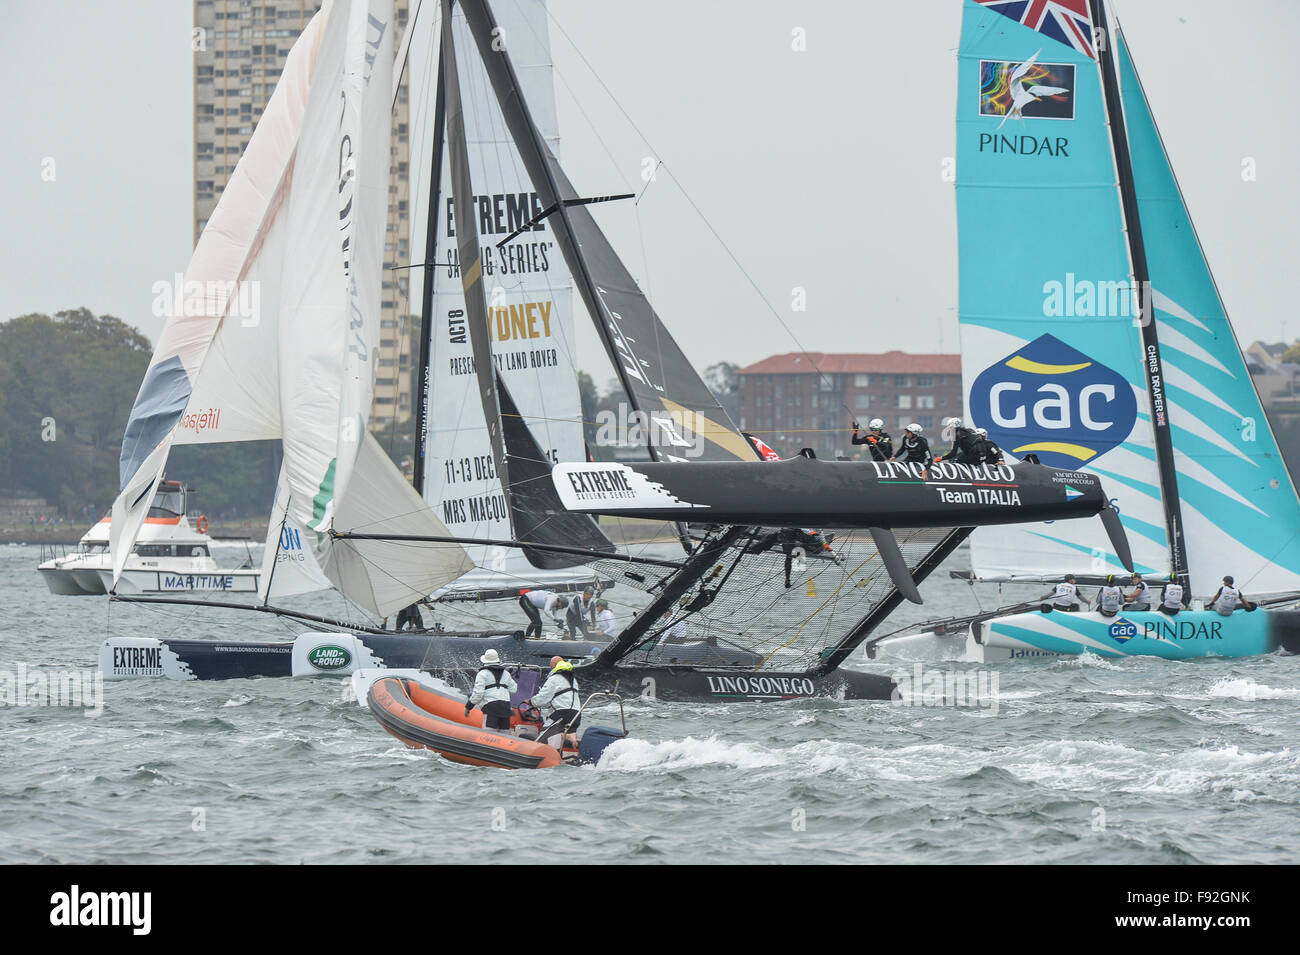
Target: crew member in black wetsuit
878	443
983	450
791	538
410	615
914	449
963	440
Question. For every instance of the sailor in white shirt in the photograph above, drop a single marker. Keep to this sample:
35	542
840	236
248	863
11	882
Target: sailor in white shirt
606	622
1171	598
1110	597
537	602
1065	596
493	686
1228	598
559	694
1140	598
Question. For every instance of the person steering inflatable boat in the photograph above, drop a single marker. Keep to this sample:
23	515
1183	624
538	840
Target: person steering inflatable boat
559	694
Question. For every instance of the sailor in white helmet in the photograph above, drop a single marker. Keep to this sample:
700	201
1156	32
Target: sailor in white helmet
963	444
914	449
1171	598
983	450
493	686
1065	596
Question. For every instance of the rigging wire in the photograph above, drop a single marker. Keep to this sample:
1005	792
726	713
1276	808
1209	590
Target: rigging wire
695	206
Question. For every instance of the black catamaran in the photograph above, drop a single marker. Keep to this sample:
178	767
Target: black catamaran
760	607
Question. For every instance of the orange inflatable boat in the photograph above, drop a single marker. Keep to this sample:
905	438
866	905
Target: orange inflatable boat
426	718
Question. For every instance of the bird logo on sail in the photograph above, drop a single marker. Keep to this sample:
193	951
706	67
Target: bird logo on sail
1052	400
1029	89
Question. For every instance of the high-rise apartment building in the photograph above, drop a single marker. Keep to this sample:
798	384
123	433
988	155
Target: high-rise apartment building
243	48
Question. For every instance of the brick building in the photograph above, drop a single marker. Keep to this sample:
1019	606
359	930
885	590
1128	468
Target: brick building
810	399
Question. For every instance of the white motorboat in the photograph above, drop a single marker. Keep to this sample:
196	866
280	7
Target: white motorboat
172	553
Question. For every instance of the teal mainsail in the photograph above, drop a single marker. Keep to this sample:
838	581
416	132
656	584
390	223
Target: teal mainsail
1239	506
1067	208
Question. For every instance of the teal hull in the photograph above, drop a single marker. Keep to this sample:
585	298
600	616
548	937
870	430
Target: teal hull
1184	636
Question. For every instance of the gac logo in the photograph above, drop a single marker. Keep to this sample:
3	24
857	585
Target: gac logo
1054	401
1122	631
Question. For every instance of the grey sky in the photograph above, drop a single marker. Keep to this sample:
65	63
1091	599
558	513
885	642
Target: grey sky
821	169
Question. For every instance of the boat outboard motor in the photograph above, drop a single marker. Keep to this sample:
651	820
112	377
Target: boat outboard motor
595	741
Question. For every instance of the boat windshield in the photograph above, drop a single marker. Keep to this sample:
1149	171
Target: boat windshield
168	503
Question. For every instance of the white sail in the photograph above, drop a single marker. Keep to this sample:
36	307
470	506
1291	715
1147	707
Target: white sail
530	302
289	564
330	289
239	247
306	210
385	575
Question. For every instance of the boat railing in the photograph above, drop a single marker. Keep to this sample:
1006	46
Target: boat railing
53	552
600	694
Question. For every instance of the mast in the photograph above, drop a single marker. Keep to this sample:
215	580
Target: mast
430	257
1151	363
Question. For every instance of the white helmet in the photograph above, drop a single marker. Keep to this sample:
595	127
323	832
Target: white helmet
954	422
914	428
982	432
876	424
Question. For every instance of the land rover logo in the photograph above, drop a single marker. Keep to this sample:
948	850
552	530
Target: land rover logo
329	658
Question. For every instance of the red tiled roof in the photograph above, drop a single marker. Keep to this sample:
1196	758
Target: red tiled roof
890	363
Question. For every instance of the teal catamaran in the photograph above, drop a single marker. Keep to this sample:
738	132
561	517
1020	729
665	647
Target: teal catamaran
1093	335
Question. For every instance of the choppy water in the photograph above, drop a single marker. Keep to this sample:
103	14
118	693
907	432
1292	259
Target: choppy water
1083	760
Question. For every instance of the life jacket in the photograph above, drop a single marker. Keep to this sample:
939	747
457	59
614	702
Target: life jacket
1173	596
1109	599
1229	598
566	670
497	673
1143	595
1067	595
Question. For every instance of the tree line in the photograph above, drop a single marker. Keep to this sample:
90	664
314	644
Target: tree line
67	384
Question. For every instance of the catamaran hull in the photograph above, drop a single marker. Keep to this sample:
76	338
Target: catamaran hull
340	654
70	583
334	654
171	582
1184	636
802	492
681	685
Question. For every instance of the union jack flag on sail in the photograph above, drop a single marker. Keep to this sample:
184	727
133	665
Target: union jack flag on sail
1066	21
